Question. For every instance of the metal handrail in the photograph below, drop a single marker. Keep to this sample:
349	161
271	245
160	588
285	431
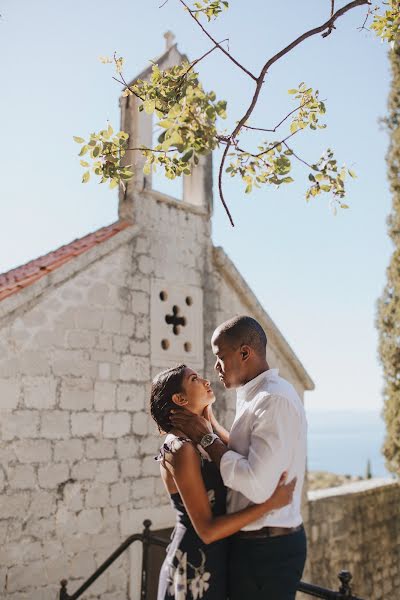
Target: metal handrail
138	537
316	591
148	539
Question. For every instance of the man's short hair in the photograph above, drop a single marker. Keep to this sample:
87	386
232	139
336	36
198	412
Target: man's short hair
244	330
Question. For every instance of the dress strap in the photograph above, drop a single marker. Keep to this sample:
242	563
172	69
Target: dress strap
171	446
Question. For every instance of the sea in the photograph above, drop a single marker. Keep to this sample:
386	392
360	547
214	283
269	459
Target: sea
343	442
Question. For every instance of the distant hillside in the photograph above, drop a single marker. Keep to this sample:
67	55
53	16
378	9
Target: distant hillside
318	480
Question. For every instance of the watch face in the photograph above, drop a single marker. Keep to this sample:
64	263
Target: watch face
207	439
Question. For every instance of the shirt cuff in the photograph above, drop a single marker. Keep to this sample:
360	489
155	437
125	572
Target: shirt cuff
227	467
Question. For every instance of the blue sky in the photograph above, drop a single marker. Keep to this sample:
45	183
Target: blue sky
317	275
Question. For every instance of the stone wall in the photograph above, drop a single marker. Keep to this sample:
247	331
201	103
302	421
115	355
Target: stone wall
77	444
77	473
356	527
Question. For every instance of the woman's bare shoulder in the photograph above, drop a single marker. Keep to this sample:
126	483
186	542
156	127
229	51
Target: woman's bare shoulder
177	449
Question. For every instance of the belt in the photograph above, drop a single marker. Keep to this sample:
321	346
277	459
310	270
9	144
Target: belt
266	532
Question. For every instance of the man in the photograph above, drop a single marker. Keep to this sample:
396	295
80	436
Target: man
268	437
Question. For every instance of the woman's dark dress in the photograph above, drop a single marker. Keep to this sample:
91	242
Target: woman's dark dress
193	570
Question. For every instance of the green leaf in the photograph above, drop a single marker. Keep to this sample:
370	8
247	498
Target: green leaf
78	140
175	139
344	206
83	151
166	123
292	91
187	156
113	183
85	177
149	106
351	173
84	163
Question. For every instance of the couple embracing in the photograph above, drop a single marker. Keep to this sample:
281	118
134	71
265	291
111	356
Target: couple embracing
237	494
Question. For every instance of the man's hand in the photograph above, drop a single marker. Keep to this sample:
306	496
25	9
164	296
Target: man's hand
192	425
219	430
283	494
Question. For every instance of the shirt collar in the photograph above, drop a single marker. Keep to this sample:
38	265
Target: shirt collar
248	389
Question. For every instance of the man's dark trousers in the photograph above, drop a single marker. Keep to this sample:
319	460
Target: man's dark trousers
268	568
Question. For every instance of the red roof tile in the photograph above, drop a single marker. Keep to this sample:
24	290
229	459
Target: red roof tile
22	276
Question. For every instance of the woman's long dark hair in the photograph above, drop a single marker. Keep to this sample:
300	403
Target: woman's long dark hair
164	386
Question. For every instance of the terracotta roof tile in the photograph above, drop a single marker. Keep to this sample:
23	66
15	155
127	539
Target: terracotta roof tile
19	278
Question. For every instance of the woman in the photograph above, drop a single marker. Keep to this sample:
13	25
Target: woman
195	566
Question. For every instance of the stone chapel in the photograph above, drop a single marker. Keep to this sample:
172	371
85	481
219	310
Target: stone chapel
82	332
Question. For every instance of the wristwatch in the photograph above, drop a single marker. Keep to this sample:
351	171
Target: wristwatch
208	439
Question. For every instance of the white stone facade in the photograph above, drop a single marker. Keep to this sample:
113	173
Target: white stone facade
77	445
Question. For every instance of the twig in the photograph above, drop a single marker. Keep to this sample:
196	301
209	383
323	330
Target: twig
140	150
237	63
221	192
276	144
280	122
217	45
195	62
296	156
365	20
152	150
127	87
260	154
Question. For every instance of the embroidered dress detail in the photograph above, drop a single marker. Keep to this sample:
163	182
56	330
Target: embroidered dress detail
183	575
171	447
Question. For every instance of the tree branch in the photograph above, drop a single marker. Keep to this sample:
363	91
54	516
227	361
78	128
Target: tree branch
268	64
310	33
331	26
221	192
237	63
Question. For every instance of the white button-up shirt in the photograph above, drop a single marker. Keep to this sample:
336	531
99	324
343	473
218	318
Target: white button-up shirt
268	436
